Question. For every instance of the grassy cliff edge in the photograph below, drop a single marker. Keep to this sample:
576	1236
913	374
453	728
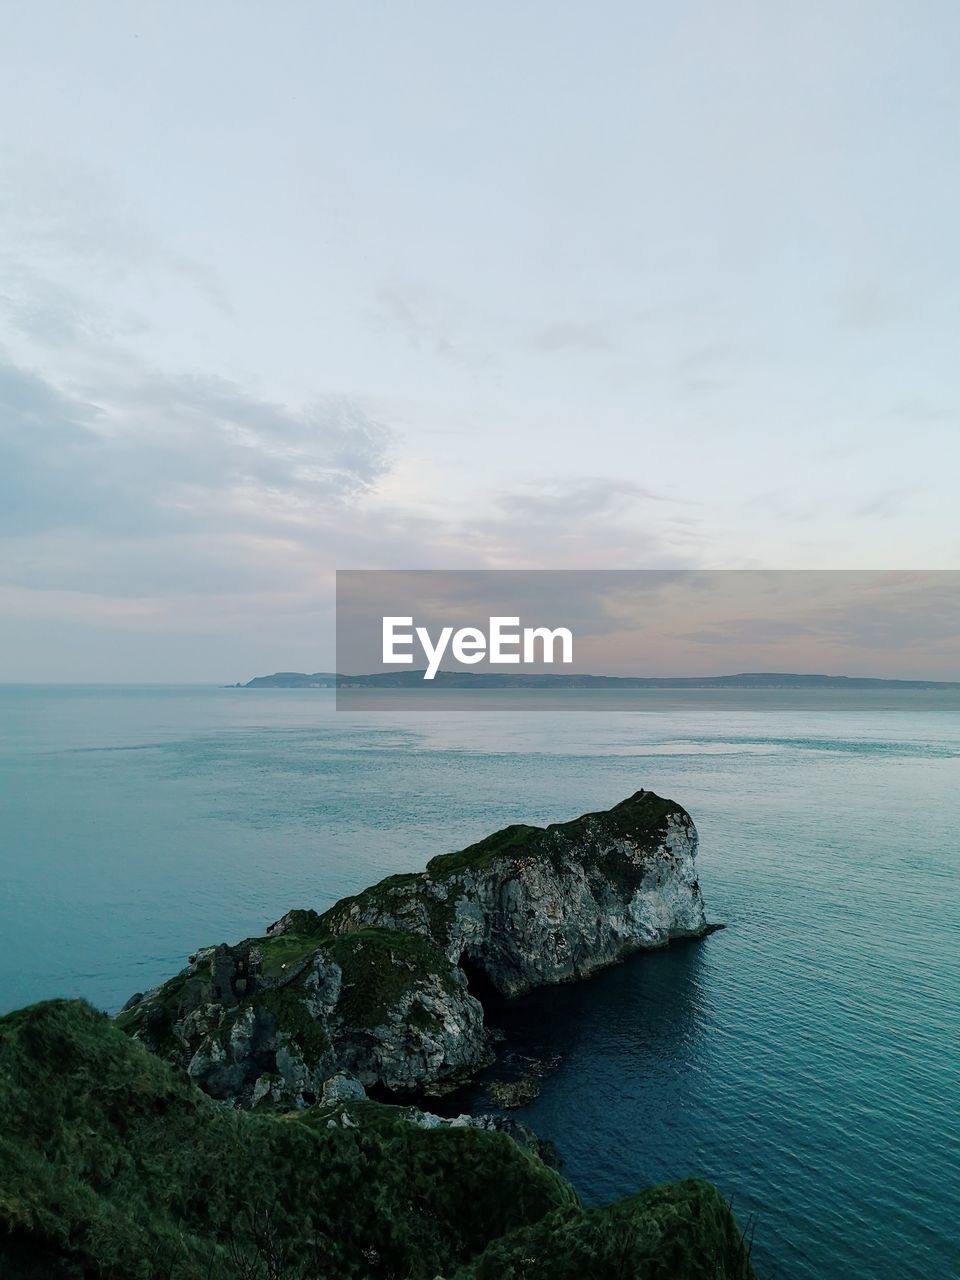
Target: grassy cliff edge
113	1165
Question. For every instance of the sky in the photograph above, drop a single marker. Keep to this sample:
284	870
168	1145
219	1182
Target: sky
292	288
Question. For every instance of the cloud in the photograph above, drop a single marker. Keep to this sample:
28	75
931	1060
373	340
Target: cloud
161	452
576	500
687	623
586	524
188	464
837	618
753	631
799	506
160	486
592	523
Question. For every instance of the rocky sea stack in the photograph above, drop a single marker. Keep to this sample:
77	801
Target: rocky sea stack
380	984
530	906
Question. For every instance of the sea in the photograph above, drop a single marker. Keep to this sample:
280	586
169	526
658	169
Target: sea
806	1058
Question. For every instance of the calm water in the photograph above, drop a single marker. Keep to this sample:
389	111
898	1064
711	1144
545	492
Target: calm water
807	1058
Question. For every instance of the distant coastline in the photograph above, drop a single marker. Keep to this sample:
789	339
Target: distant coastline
496	680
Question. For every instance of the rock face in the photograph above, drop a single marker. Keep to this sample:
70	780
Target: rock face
530	906
272	1019
378	985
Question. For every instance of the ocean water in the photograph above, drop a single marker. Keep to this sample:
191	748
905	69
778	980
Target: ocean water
806	1058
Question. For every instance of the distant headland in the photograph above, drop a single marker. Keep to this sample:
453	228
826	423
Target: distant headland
497	680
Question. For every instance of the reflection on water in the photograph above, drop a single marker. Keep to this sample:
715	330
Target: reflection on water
649	1007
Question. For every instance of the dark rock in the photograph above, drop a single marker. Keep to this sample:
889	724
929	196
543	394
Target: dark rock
342	1088
514	1093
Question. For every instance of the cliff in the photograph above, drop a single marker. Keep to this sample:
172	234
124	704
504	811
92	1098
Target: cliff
530	906
271	1019
378	985
112	1165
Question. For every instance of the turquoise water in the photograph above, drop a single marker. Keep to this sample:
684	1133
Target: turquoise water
807	1058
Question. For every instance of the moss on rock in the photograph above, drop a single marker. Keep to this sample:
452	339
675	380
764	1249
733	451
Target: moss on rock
382	969
295	1024
386	1004
642	818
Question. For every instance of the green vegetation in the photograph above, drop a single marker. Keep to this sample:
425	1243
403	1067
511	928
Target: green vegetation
113	1166
401	880
295	1021
381	970
381	967
282	954
679	1231
411	898
156	1015
343	982
384	897
642	819
515	839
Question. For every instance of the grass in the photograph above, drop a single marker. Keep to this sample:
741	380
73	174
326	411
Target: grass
281	954
381	968
114	1167
641	819
293	1018
517	839
678	1231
